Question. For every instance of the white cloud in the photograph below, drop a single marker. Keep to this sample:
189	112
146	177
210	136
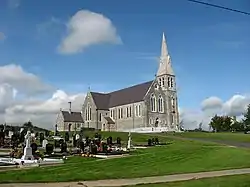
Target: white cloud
19	102
43	112
235	106
2	36
87	28
24	82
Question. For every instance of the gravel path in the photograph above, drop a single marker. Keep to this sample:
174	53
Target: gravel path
135	181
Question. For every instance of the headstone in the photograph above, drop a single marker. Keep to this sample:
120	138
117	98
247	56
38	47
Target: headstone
34	147
21	130
129	141
82	146
10	133
41	138
94	149
109	140
45	142
87	141
46	133
74	140
61	141
49	148
66	136
2	136
27	153
56	143
149	142
6	132
55	133
64	147
118	140
156	141
153	141
91	148
77	136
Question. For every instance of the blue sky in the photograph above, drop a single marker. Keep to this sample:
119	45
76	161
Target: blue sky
209	47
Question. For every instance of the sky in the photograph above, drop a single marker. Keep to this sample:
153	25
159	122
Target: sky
52	53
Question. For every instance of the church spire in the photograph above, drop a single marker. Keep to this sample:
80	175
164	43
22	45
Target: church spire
164	49
165	66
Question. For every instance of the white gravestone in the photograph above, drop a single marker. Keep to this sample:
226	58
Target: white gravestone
10	133
77	136
27	152
21	130
45	142
129	141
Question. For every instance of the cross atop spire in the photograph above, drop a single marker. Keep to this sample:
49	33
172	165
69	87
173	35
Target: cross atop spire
164	49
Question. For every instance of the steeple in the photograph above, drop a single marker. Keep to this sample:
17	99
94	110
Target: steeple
164	49
165	66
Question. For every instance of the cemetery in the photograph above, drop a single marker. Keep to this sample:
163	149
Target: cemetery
24	148
149	155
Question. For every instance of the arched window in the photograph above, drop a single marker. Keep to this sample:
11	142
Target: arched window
88	113
160	104
173	103
153	103
100	117
169	82
160	81
163	81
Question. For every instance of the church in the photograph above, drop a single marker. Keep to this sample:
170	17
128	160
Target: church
150	104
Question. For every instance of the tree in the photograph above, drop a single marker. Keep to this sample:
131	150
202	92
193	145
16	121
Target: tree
28	125
221	123
200	126
246	119
237	126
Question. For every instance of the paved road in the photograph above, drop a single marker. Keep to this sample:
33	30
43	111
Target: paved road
135	181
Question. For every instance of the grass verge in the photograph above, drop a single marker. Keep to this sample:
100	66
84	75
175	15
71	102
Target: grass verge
179	157
227	181
227	136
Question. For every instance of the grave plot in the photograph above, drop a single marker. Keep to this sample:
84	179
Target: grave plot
28	155
99	147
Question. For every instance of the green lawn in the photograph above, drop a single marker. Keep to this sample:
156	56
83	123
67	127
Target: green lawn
236	137
228	181
179	157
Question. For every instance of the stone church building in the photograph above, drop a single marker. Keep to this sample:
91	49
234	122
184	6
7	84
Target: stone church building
150	104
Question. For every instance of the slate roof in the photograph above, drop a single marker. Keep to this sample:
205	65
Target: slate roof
132	94
109	120
72	117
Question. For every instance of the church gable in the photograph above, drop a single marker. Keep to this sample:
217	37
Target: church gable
154	89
